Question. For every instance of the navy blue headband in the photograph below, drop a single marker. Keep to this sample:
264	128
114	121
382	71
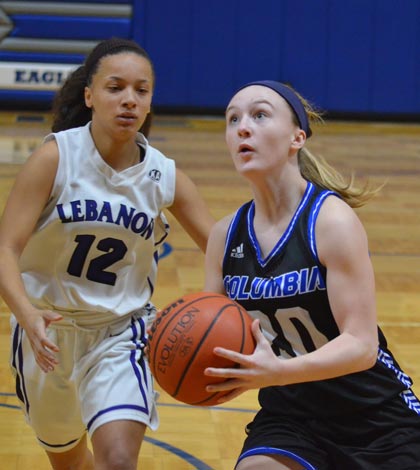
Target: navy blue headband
290	96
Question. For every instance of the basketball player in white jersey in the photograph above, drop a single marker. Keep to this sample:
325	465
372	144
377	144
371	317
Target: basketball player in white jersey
79	243
332	395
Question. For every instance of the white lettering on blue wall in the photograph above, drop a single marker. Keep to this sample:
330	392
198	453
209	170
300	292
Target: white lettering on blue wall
38	77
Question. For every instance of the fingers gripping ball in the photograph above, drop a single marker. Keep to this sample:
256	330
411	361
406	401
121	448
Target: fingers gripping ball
182	339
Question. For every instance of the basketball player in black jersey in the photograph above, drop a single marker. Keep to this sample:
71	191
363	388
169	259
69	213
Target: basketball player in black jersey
296	257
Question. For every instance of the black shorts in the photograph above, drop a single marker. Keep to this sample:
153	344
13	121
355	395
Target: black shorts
383	438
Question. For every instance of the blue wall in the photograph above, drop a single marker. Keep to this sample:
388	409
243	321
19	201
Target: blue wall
349	56
346	56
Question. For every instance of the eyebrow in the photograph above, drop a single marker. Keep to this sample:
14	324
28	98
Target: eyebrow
116	77
140	82
262	101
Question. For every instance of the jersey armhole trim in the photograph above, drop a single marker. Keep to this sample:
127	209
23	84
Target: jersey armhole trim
232	227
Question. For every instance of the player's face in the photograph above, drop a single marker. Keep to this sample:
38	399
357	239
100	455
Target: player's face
120	94
260	132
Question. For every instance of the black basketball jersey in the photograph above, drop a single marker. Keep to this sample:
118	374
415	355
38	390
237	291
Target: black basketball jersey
287	291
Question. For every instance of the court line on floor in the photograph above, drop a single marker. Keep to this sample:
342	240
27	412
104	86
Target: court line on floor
187	457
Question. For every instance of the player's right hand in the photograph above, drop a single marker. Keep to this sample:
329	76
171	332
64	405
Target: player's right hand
35	326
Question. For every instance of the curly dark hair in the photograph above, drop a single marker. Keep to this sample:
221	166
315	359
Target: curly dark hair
69	109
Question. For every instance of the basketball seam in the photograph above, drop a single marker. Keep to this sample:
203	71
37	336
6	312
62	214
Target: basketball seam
169	323
156	347
241	314
197	349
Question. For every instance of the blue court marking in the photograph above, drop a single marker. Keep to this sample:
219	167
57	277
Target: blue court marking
5	405
198	464
171	405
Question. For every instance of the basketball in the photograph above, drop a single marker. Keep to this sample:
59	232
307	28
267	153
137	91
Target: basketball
182	339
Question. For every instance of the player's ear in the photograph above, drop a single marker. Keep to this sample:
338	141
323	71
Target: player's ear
298	139
88	97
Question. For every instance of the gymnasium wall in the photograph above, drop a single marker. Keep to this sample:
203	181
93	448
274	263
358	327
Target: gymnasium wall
350	57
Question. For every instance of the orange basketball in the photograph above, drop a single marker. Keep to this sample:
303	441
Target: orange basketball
182	339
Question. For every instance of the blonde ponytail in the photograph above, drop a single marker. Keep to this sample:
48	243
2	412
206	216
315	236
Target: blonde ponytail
318	171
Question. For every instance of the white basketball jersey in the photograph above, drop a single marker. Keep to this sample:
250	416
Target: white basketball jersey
93	255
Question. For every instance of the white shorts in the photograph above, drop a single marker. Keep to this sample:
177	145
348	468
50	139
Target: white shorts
102	376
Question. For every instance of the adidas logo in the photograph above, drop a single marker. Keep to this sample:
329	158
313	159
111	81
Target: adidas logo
238	252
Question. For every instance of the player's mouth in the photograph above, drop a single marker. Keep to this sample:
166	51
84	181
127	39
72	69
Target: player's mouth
127	117
245	149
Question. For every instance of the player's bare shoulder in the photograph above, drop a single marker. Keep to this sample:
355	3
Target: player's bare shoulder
336	213
41	166
220	228
338	229
47	153
214	253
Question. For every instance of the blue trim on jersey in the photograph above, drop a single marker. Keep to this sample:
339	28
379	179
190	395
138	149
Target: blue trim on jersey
113	408
387	360
273	450
164	236
18	367
312	220
286	235
151	286
140	333
15	346
56	446
407	395
232	226
411	400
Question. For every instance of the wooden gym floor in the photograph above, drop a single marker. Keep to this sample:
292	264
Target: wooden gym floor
210	438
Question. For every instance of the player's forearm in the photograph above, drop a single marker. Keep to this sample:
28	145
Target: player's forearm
12	289
344	355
